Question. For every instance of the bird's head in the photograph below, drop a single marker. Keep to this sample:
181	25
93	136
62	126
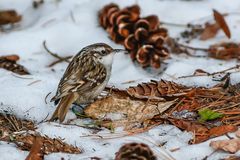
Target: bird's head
103	52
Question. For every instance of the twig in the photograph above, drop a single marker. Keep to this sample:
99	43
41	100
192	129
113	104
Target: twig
206	157
54	54
72	16
208	16
34	82
173	24
130	81
60	59
22	77
228	107
193	48
15	122
161	153
83	126
228	136
214	73
43	119
48	22
12	124
175	45
47	96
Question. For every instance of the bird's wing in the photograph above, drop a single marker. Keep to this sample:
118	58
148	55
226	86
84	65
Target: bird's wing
81	76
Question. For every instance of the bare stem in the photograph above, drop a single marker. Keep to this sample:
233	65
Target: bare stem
60	59
193	48
173	24
214	73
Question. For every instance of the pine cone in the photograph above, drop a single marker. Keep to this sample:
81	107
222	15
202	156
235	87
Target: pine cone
9	63
137	151
142	37
161	89
118	23
9	16
225	51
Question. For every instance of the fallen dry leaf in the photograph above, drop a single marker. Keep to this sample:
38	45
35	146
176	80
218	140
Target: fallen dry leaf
221	130
200	132
123	111
232	145
200	72
141	107
210	31
222	23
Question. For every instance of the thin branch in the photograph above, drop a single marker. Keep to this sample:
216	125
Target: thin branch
193	48
58	61
173	24
72	16
12	124
47	97
44	120
214	73
65	59
206	157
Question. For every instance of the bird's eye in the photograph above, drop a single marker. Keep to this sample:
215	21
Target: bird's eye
103	52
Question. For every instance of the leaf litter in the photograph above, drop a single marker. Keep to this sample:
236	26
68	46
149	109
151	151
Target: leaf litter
212	111
23	134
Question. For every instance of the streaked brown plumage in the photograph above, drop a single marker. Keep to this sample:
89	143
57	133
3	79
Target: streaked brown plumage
84	79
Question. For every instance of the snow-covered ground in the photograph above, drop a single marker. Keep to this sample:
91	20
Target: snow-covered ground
69	25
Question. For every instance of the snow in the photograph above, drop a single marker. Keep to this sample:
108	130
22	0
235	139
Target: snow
69	25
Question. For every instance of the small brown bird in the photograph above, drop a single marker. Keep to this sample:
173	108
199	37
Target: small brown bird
85	78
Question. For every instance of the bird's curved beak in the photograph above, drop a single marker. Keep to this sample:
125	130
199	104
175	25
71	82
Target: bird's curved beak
119	50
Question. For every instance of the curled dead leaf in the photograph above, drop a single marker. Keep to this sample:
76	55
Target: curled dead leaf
200	72
222	23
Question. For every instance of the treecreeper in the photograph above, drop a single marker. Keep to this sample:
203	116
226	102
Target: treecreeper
84	79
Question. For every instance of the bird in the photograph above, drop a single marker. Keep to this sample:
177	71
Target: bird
84	79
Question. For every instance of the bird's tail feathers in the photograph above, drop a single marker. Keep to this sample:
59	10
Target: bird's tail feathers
63	106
